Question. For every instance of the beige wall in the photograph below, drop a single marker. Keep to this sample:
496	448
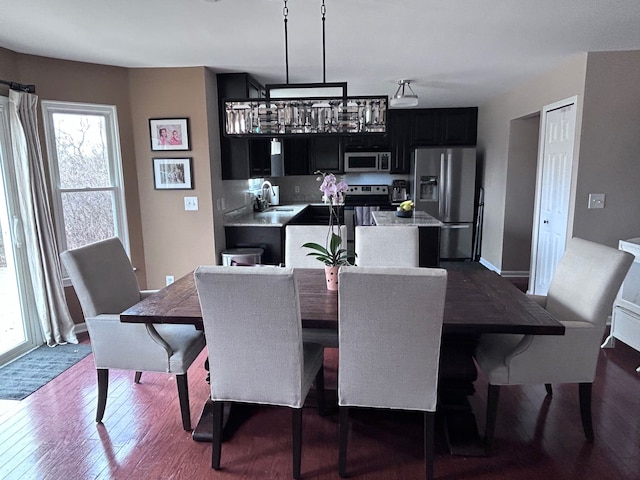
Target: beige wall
175	241
82	82
610	148
494	122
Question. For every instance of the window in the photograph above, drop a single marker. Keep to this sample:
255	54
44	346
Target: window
86	173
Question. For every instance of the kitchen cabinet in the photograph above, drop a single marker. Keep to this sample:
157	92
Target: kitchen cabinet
296	156
445	127
241	157
399	125
270	239
377	141
326	154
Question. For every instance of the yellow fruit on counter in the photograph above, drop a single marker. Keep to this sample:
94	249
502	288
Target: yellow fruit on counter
407	205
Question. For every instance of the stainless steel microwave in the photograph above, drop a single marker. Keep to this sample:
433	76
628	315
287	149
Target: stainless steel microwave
367	161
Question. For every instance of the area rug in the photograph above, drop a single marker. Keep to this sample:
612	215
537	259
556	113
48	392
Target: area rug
23	376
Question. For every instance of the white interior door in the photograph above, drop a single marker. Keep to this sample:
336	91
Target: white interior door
19	329
553	192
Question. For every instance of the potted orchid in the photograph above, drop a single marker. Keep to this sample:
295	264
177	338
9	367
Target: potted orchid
332	255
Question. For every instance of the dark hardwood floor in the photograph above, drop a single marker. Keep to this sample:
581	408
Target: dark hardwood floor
52	434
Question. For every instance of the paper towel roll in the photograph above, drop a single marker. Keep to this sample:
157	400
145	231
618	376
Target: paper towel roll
275	195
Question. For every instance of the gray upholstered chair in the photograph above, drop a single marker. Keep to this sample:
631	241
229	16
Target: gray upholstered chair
387	246
296	257
296	235
106	285
256	354
580	296
390	344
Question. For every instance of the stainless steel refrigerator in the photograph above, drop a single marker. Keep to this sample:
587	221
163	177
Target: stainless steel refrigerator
444	183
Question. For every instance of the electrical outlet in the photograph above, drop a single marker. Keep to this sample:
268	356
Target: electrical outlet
296	189
169	279
191	203
596	200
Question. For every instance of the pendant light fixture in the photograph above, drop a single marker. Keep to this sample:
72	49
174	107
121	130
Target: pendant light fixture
403	99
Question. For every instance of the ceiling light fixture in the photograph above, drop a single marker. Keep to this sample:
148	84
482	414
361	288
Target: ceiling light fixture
402	99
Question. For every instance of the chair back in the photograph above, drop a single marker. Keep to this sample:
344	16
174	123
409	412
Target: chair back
390	326
297	235
253	329
102	276
387	246
587	281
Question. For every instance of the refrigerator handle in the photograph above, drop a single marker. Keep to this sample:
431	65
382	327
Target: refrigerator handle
445	187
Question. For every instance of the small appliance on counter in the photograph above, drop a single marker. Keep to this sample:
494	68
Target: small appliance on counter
399	190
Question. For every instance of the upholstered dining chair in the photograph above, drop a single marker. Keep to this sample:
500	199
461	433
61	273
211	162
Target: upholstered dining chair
106	285
256	354
297	235
387	246
389	344
580	296
296	257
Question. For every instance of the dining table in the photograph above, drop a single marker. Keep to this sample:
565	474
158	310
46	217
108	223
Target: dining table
478	301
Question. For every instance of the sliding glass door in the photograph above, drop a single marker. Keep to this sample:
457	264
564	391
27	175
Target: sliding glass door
19	329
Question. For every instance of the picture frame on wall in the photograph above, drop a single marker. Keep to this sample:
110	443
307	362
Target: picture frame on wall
173	173
169	134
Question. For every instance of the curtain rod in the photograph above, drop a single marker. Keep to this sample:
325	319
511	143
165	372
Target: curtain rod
19	86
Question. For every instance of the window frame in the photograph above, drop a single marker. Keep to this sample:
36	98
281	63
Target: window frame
109	112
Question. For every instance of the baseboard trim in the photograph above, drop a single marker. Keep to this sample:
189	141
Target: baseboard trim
80	328
504	273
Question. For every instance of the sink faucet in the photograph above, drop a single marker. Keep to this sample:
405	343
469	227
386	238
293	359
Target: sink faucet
267	191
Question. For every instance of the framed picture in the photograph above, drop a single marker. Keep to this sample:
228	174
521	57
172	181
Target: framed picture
172	174
169	133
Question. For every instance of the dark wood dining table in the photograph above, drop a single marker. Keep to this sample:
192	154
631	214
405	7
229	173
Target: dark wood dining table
478	301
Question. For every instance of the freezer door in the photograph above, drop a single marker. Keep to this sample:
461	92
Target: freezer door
456	241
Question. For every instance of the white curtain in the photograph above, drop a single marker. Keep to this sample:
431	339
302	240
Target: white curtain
36	223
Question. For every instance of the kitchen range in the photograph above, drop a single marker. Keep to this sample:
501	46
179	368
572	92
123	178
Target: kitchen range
360	201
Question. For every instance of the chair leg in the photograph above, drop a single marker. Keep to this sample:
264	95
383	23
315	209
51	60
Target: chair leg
137	377
103	387
493	396
585	410
297	440
344	434
216	442
429	422
322	410
183	397
549	389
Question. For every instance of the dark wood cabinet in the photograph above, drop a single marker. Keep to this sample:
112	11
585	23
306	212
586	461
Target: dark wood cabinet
445	127
399	126
296	156
241	157
271	239
326	154
376	141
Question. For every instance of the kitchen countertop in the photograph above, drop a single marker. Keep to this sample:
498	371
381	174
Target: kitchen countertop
421	219
275	216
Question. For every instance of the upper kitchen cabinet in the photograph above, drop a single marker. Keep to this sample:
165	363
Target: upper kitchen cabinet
296	156
445	127
326	154
241	157
399	124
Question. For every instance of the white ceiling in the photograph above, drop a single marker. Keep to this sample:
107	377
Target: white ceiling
456	52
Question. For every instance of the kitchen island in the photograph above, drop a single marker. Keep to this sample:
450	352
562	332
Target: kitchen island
428	229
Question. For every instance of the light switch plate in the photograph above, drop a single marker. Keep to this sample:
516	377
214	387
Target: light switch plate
191	203
596	200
